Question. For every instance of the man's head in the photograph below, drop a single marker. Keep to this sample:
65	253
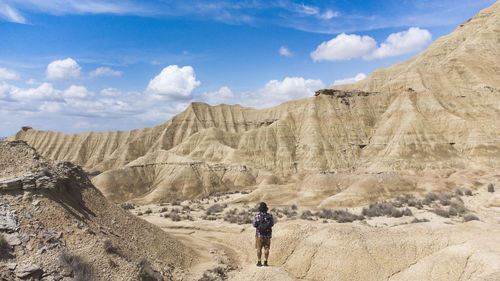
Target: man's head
262	207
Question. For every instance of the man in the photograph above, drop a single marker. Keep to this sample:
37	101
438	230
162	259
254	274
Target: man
263	222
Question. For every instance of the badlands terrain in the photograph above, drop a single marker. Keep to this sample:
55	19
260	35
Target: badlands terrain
389	178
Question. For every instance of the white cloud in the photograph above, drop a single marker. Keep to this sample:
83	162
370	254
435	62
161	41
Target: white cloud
105	71
344	47
223	95
329	14
404	42
111	92
285	52
276	92
76	92
7	74
32	81
11	14
43	92
63	69
5	90
359	76
173	83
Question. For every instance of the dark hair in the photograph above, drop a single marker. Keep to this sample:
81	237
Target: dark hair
262	207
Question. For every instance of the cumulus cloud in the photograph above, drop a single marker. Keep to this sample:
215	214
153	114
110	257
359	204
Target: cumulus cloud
7	74
43	92
223	95
173	83
276	92
404	42
359	76
63	69
344	47
76	92
105	71
11	14
111	92
285	52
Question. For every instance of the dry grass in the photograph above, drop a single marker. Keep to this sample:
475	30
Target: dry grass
147	273
81	270
468	192
110	248
379	209
215	208
339	215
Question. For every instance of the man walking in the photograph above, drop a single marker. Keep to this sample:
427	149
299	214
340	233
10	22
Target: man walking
263	222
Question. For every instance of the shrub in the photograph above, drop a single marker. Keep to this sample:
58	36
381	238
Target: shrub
127	206
147	273
457	207
407	212
491	187
139	214
215	208
338	215
378	209
415	220
163	210
306	215
176	203
148	211
294	207
109	247
431	196
468	192
82	271
4	248
441	212
459	192
175	217
186	208
470	217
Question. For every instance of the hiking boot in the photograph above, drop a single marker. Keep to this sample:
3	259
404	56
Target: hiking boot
259	263
265	263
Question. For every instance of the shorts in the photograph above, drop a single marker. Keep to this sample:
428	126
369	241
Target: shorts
262	242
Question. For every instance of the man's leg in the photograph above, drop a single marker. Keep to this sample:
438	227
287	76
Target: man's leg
258	246
266	253
259	254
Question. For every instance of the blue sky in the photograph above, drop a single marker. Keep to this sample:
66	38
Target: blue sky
93	65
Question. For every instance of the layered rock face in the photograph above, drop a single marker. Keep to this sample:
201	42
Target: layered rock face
438	110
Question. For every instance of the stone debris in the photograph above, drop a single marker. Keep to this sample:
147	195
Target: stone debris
29	271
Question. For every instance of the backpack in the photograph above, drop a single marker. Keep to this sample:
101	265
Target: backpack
265	224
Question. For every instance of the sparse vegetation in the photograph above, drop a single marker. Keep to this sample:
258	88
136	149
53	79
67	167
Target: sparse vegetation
441	212
379	209
242	217
81	270
338	215
459	192
491	187
294	207
176	203
470	217
148	211
468	192
306	215
215	208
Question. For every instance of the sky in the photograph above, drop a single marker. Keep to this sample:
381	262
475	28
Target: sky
74	66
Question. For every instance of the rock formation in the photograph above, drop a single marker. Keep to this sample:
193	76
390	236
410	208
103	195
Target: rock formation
439	110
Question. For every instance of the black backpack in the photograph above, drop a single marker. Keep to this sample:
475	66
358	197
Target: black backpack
265	224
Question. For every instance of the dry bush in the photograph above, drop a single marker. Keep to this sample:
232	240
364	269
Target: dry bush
338	215
245	192
139	214
163	210
491	187
127	206
288	213
379	209
186	208
147	273
294	207
441	212
215	208
457	208
470	217
306	215
459	192
176	203
148	211
415	220
5	248
109	247
81	270
468	192
175	217
233	216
